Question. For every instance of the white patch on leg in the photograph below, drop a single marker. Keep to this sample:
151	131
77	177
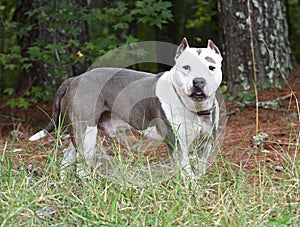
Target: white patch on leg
69	155
89	144
67	161
87	151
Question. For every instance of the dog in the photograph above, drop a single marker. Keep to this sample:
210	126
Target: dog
177	106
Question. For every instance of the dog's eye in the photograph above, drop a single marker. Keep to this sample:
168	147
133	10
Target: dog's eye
212	68
186	67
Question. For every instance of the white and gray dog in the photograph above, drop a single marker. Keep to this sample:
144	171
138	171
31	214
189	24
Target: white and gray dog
177	106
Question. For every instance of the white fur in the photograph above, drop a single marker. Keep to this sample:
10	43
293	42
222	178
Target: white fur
199	67
89	144
151	133
183	121
174	89
69	158
38	135
111	125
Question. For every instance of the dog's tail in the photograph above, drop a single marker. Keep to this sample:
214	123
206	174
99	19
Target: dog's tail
56	110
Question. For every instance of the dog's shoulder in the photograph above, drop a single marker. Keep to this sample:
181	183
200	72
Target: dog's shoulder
158	75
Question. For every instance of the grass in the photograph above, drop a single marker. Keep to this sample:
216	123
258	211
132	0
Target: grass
225	196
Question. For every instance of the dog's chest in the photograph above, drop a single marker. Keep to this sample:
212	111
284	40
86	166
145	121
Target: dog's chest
185	123
180	117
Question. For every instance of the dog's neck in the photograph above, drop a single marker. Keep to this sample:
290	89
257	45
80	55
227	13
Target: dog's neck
199	108
206	112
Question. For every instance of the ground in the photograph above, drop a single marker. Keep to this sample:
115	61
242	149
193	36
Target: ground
281	125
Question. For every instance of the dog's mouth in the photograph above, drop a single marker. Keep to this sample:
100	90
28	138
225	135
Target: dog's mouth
198	96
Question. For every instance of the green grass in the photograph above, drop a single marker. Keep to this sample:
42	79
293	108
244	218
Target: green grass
225	196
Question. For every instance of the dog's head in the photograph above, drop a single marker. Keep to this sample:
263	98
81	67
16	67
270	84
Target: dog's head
198	71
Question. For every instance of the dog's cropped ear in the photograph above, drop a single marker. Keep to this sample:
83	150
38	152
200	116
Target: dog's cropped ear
184	44
213	47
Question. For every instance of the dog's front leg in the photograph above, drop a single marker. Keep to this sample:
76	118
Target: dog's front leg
182	158
185	162
204	153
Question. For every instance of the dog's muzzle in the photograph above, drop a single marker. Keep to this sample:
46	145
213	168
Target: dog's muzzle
197	92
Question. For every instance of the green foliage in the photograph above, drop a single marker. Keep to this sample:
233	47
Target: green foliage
18	102
225	93
152	12
203	21
118	21
246	97
30	97
206	10
265	86
110	26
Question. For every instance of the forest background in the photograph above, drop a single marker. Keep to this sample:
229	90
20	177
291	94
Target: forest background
42	43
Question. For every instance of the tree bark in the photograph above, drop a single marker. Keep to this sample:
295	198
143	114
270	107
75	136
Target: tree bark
42	72
262	26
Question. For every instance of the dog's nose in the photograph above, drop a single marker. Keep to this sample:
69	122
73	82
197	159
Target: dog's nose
199	82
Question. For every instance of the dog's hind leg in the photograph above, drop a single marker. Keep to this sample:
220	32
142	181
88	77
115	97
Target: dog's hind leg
87	149
68	160
89	144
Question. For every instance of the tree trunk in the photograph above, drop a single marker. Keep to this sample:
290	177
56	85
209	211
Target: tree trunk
265	33
48	30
